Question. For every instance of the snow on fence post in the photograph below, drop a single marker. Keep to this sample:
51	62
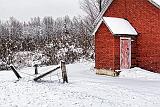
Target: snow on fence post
36	68
15	72
64	72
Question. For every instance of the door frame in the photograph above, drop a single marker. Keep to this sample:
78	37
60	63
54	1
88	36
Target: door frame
128	38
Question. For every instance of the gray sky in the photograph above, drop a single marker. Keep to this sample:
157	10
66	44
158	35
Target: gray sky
25	9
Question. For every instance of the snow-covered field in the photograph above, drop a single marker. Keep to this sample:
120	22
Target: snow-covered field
133	88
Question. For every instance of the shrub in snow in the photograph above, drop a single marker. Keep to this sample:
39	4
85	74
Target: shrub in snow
3	65
28	59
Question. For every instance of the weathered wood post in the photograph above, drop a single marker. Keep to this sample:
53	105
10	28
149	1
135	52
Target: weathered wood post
36	68
15	72
64	72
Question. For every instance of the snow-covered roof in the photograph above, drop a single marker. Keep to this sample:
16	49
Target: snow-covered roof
156	3
117	26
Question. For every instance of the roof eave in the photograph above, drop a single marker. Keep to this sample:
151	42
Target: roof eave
118	35
99	19
97	26
158	6
102	12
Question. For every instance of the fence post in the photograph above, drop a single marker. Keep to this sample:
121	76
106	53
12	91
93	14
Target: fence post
15	72
36	68
64	72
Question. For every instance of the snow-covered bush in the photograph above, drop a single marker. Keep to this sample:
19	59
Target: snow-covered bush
3	65
28	59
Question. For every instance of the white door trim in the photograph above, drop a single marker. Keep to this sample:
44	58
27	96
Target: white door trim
128	38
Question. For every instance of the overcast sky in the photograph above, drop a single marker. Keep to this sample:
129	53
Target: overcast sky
25	9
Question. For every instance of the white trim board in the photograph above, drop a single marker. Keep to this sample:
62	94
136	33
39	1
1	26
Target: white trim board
155	2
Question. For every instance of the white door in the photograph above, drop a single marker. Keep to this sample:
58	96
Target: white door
125	53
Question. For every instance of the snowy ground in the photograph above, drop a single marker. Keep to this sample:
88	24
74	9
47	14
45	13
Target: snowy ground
134	88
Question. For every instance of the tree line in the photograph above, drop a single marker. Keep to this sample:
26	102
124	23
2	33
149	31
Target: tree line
46	41
61	39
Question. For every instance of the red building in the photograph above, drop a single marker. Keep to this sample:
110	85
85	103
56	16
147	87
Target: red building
127	34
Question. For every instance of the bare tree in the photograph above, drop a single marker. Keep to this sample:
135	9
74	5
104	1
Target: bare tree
91	7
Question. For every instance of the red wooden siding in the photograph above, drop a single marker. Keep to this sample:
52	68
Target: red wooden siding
104	48
116	52
134	52
145	18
